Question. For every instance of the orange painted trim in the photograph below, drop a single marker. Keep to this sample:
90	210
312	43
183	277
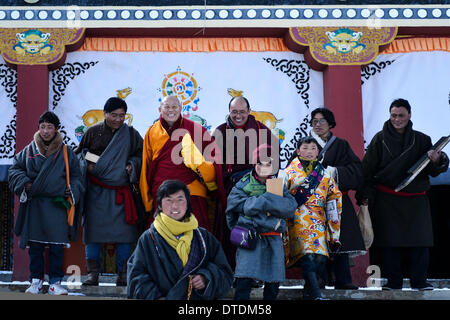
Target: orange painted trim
418	44
239	44
183	44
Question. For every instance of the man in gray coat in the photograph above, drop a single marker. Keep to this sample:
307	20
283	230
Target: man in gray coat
111	154
38	176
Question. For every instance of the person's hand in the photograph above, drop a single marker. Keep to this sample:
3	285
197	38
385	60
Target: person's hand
90	167
28	186
198	282
129	168
434	156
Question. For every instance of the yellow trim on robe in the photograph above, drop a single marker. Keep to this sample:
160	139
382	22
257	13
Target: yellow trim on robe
154	140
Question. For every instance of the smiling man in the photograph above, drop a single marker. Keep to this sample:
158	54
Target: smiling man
169	145
38	176
109	212
401	220
176	259
237	145
238	138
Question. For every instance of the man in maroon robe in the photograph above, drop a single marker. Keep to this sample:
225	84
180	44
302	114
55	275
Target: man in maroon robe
178	148
237	138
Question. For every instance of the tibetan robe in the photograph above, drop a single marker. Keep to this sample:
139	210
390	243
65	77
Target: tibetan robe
399	219
40	217
162	160
107	213
311	230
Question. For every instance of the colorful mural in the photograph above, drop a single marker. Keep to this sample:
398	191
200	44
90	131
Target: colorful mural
93	116
265	117
344	41
33	42
37	46
343	46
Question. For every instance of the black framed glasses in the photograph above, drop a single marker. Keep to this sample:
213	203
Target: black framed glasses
318	121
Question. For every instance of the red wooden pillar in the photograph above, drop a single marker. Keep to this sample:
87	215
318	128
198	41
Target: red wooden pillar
341	66
32	101
342	94
32	94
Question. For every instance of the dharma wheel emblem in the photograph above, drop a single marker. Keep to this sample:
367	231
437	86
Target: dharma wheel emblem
184	86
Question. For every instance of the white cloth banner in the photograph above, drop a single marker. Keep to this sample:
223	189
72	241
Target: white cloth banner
422	78
8	97
280	87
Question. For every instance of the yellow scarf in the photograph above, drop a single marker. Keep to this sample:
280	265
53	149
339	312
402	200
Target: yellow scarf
169	228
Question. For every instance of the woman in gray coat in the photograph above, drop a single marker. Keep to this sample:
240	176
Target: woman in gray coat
249	204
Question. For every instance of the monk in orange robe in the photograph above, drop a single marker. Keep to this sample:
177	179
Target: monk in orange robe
178	148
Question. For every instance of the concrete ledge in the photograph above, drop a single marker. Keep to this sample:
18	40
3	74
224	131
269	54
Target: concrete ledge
102	291
361	294
105	291
289	290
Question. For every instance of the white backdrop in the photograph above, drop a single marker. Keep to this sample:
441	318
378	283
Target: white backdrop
284	86
275	82
422	78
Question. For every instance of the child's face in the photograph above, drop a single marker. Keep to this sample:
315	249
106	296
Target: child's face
308	151
264	169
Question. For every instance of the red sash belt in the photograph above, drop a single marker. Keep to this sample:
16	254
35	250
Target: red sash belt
123	194
388	190
270	234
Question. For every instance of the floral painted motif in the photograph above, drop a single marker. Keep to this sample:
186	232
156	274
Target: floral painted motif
310	231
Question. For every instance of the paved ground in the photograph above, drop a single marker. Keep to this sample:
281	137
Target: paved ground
290	290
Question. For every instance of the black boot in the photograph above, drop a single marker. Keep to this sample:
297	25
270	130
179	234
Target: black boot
311	289
122	278
92	269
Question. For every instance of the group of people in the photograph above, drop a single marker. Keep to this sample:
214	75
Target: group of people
197	188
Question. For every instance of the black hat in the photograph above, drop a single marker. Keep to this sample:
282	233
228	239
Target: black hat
49	117
114	103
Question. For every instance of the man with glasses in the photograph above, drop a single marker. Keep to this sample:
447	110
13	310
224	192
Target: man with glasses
238	138
237	145
345	167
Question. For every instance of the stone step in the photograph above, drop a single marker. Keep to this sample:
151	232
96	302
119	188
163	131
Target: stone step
108	279
289	290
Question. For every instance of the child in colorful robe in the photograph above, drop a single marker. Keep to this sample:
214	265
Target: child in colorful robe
314	231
